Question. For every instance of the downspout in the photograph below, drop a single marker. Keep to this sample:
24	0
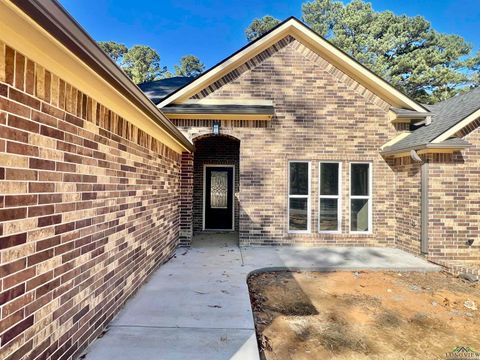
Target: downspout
424	211
423	201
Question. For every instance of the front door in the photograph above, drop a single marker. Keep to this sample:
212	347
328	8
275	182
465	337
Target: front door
218	202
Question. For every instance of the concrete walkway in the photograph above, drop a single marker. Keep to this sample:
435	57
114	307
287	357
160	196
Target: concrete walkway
197	305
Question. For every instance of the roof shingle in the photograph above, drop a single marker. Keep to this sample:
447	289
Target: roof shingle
446	114
158	89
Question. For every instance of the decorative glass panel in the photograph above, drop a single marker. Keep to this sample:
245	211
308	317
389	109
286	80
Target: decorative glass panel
359	214
360	179
328	214
298	214
219	190
329	179
298	178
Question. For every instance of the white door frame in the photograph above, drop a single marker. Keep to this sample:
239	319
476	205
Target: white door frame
205	191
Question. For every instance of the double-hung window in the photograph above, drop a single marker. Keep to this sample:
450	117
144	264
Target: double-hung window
299	196
360	197
330	197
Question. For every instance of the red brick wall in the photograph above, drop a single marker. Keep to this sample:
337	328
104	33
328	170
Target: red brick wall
320	114
88	209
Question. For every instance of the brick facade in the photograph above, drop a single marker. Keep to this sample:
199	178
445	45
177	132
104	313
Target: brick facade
454	215
89	207
455	204
320	114
407	199
186	200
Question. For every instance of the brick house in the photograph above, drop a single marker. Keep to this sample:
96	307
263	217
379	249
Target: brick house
313	149
289	141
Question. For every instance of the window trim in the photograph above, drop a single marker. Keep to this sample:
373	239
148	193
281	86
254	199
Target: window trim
308	197
369	198
338	197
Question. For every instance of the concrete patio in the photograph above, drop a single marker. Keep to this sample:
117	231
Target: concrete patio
197	305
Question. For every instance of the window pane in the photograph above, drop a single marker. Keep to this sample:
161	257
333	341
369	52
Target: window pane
298	214
359	214
360	179
298	178
328	214
328	179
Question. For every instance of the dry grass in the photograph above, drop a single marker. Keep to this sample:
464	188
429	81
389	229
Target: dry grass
348	315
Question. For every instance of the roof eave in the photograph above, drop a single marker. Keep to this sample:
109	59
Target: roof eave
54	19
429	146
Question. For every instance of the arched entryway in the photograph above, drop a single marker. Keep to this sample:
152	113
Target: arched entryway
216	174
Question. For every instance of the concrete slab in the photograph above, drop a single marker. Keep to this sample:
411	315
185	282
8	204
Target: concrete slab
127	343
197	305
335	258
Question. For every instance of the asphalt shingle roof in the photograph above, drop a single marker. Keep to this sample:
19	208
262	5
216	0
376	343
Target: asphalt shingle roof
158	89
446	114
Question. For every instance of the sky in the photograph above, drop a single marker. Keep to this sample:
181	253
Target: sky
214	29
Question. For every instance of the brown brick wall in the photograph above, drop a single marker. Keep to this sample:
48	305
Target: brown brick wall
408	204
88	208
454	213
320	114
455	204
186	200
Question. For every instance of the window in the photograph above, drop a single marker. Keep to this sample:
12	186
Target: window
360	197
299	196
329	197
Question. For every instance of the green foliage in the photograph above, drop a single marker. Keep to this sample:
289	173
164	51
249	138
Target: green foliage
322	15
190	66
113	49
142	63
258	27
474	66
406	51
167	74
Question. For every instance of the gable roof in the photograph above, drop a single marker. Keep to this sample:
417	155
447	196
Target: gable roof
446	116
158	89
294	27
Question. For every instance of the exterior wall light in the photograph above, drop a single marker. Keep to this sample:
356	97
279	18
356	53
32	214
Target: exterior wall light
216	128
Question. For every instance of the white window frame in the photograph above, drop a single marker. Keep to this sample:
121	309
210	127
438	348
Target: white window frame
369	198
338	197
308	196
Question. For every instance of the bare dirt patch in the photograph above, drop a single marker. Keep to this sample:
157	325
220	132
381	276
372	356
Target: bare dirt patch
363	315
